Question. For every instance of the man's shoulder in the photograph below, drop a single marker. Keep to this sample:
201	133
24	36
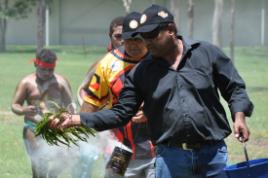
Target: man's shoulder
112	64
28	82
143	65
148	59
211	49
61	79
207	44
204	45
108	59
28	79
197	43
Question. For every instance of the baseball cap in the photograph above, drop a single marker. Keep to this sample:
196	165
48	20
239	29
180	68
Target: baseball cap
153	16
130	25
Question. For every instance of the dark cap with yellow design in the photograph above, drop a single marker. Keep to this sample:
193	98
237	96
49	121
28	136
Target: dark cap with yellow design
130	25
153	16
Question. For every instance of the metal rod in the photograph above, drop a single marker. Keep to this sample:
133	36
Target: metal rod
245	150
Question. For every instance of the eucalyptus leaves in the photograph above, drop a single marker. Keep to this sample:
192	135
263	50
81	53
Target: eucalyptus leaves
55	136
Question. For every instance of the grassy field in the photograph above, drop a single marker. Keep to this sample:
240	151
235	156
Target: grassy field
73	63
252	65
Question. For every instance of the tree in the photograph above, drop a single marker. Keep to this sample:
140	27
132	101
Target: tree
216	24
16	9
232	29
190	18
127	4
174	8
42	6
41	18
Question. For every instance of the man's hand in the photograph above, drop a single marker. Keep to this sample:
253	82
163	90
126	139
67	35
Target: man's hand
30	111
139	117
241	130
65	121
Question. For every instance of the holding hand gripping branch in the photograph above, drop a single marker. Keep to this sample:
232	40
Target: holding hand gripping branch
63	136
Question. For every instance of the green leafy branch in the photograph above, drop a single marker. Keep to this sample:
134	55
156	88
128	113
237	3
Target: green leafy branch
67	136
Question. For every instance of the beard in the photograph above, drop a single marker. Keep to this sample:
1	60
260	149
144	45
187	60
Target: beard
162	48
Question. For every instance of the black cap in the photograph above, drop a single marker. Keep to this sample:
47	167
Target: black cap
153	16
130	25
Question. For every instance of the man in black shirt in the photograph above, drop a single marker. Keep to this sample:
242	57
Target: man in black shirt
180	85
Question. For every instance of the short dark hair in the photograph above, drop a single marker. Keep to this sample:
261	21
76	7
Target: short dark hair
173	27
46	55
170	25
118	21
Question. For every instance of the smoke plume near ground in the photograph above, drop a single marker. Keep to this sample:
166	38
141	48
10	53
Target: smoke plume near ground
78	161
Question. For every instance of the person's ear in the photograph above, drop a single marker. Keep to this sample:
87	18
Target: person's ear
171	33
170	29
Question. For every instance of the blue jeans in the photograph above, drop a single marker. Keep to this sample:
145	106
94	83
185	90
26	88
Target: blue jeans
207	162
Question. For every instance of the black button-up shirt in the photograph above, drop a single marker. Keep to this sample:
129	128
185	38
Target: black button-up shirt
183	104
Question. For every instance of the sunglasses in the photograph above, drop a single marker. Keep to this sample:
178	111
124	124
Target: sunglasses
153	34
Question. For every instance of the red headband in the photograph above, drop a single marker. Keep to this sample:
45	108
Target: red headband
43	64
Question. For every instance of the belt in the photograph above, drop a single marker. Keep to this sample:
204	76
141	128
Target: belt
189	146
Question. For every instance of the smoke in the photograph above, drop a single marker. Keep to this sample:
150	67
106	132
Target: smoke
77	161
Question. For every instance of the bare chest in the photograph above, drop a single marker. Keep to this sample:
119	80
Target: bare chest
41	92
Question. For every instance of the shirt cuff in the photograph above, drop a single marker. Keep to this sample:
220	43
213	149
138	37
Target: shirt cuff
85	120
246	108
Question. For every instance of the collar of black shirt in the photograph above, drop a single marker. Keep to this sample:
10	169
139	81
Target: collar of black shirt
188	43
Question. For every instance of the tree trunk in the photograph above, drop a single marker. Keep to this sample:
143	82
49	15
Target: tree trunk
263	20
126	4
190	18
175	10
216	24
41	15
3	26
232	34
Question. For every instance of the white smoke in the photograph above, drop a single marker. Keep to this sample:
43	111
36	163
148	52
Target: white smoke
77	160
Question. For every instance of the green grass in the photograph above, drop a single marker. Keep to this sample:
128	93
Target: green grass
252	65
13	162
73	63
